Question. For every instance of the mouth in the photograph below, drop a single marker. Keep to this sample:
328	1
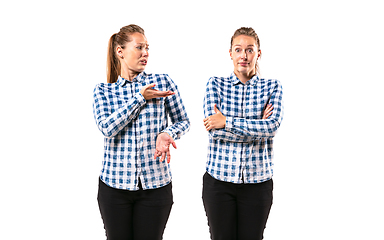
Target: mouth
143	62
243	64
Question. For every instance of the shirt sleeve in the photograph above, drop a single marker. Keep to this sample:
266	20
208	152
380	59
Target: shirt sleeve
212	97
111	121
260	128
177	113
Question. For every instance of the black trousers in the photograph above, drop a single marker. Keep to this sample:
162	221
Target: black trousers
236	211
134	215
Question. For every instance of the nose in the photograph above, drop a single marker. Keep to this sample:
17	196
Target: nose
145	53
244	54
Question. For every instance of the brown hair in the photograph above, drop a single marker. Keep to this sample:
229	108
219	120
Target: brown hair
251	33
118	39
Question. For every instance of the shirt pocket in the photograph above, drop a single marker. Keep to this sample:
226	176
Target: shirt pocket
153	112
256	105
151	122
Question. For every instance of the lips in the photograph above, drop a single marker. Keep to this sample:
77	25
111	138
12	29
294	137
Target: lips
243	64
144	62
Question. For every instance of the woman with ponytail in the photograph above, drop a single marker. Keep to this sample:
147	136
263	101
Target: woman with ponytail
242	114
132	110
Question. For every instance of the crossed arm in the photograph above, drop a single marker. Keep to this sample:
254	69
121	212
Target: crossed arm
240	129
217	120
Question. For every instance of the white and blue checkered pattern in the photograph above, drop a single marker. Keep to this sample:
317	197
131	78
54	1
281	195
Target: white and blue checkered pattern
242	151
131	124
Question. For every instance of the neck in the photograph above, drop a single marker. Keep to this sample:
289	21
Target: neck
128	74
244	77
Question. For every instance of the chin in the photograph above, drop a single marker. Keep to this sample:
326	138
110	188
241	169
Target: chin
140	69
243	70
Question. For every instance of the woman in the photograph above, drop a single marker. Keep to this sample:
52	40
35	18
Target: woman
131	110
242	114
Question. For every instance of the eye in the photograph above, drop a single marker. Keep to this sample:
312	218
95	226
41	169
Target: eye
139	47
237	50
250	50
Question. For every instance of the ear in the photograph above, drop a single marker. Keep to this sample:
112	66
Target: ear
119	51
230	53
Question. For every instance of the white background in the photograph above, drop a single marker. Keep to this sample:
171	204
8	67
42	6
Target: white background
328	151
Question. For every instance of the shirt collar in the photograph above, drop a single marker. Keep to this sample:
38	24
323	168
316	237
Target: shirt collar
236	81
139	78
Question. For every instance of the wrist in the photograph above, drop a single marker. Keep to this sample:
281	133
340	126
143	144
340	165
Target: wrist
169	135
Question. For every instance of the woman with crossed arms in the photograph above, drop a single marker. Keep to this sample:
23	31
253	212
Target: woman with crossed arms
242	114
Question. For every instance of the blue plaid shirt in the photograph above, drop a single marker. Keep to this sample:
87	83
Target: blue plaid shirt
131	124
242	151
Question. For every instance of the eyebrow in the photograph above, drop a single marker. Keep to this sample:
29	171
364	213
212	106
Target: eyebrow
247	46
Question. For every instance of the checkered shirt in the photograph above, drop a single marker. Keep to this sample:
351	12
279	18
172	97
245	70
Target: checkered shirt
131	124
242	151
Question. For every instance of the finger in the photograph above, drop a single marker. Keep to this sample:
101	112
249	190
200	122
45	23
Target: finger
268	109
215	108
163	94
157	154
267	112
169	157
152	85
174	145
267	115
167	95
162	157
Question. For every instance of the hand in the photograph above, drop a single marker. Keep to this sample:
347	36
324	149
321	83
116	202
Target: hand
268	111
215	121
162	146
148	92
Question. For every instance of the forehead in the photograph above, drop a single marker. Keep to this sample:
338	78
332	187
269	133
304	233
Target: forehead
243	40
138	38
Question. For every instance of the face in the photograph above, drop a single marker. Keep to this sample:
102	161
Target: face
134	56
244	54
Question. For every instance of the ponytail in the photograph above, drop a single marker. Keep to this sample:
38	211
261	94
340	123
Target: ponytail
113	64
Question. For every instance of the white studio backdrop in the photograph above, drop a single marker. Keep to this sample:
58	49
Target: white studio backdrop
328	156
